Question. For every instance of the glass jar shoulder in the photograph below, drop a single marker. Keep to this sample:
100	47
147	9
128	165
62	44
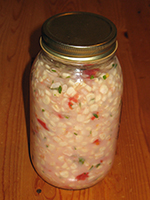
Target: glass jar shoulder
44	64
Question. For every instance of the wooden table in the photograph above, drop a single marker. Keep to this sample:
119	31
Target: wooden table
20	23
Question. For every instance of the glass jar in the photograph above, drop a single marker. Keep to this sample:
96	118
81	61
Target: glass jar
76	90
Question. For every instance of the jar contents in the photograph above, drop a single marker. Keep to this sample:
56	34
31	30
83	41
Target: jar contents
75	112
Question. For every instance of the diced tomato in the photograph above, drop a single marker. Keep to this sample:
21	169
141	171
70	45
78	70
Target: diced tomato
97	142
43	124
72	100
91	72
82	176
70	105
92	118
95	115
60	116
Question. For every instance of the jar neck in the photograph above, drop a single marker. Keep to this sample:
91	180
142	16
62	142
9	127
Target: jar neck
49	57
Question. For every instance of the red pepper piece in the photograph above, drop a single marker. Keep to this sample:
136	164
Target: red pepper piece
97	142
91	72
60	116
43	124
73	99
82	176
70	105
95	115
92	118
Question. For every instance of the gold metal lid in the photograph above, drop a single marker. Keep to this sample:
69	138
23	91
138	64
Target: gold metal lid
79	36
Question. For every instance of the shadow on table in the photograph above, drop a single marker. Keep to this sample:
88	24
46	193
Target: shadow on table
34	48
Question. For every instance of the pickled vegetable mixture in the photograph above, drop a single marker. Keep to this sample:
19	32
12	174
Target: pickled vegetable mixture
74	121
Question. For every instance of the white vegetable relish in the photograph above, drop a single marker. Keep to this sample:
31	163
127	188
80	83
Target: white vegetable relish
75	112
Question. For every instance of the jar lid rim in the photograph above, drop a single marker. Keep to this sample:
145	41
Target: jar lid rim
79	35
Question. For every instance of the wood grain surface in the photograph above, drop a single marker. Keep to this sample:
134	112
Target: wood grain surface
20	29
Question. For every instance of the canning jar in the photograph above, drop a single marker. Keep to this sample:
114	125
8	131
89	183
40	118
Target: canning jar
75	100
